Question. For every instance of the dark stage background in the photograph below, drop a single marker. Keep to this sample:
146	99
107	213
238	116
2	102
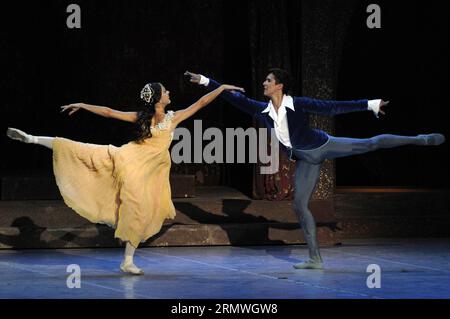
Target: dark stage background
124	44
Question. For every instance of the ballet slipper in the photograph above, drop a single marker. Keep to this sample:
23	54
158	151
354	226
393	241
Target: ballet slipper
19	135
432	139
309	264
130	267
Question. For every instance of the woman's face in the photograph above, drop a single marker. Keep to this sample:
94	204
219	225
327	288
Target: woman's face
165	98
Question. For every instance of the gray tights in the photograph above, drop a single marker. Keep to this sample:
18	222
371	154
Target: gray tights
308	170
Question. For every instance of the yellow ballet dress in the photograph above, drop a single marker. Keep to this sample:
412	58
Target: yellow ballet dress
124	187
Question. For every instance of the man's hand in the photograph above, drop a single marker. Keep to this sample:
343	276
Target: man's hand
194	78
382	105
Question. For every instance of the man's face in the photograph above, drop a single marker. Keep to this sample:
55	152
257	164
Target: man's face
270	87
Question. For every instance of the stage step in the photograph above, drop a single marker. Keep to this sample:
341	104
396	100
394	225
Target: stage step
369	212
42	186
217	216
224	216
213	205
382	201
437	226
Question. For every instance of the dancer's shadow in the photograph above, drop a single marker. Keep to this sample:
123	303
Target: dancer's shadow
31	236
105	237
233	211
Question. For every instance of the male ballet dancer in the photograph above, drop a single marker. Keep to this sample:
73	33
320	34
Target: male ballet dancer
289	117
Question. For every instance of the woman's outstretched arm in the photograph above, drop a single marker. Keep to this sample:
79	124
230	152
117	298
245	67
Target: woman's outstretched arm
184	114
102	111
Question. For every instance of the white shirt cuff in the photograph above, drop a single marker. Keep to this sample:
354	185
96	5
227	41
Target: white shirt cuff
374	105
203	80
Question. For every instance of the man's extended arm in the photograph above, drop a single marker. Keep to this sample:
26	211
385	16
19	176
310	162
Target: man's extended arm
236	99
330	107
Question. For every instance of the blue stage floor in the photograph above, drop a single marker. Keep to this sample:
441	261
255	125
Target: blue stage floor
412	268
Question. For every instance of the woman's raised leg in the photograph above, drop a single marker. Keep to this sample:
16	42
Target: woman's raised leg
19	135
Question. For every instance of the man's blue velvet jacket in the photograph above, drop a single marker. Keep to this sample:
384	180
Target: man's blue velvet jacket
301	135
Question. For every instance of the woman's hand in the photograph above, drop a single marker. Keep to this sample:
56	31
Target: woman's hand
72	107
229	87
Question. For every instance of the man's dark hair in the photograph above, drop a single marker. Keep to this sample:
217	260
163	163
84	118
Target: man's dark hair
282	77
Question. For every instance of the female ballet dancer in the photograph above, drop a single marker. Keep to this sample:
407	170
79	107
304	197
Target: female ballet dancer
124	187
289	117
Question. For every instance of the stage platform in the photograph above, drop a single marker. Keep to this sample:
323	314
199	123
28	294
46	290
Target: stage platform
224	216
410	268
216	216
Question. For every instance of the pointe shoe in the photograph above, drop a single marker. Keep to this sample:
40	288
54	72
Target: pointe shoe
131	268
309	264
433	139
19	135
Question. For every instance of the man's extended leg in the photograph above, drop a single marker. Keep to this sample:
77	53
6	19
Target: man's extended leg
343	146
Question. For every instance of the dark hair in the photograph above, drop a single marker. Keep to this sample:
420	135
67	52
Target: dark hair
145	115
281	77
